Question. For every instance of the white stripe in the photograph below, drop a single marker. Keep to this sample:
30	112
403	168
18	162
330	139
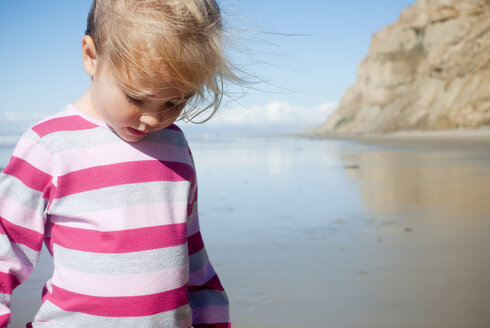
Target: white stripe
126	218
198	260
20	215
123	195
75	159
26	255
193	221
201	276
5	304
120	285
12	265
121	263
33	153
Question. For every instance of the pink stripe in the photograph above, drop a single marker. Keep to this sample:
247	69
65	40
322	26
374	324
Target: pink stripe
30	151
122	173
28	174
124	241
213	283
113	153
120	285
4	319
47	289
124	218
23	216
195	243
49	244
21	235
119	306
7	283
45	294
211	316
65	123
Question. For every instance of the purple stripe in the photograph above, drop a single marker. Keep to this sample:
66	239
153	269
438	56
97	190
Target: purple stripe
195	243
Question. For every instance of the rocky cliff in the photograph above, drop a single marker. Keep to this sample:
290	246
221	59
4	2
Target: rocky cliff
428	71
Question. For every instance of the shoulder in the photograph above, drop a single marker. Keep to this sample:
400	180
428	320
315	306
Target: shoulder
64	120
171	135
174	127
39	143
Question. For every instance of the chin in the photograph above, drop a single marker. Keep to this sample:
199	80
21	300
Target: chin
132	139
128	138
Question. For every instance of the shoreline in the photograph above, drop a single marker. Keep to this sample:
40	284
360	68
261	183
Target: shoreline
451	139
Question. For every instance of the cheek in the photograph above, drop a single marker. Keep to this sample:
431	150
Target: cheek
174	114
114	110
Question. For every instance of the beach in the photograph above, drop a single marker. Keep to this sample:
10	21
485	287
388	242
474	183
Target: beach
351	232
458	139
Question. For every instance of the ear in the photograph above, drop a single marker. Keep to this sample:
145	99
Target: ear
89	55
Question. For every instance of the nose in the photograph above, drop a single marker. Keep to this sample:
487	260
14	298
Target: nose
150	120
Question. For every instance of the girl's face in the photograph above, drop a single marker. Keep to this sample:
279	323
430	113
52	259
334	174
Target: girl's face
132	118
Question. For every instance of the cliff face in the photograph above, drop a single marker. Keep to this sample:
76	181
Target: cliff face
428	71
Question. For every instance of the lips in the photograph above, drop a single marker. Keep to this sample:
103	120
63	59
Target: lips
137	133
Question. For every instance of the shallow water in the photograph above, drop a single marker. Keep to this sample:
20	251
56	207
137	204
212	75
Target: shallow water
324	233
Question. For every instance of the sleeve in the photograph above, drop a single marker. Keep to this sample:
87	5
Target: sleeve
207	297
24	188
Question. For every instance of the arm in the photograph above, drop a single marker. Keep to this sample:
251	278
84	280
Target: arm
24	188
207	297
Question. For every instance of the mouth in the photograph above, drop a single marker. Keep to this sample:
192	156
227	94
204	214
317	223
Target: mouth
137	133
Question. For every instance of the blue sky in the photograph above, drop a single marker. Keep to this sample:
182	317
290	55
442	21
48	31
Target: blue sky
309	51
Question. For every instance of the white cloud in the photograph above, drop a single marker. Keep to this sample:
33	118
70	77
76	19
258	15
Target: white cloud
19	117
14	123
276	117
274	113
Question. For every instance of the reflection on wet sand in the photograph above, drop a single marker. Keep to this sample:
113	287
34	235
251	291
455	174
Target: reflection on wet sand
442	182
431	211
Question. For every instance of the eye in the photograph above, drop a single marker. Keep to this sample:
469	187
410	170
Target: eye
134	101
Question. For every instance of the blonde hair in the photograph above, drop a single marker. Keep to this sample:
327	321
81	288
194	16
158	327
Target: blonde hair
150	44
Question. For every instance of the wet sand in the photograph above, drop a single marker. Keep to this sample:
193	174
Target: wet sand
446	139
402	242
343	233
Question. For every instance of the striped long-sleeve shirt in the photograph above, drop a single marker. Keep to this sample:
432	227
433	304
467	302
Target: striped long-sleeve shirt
120	220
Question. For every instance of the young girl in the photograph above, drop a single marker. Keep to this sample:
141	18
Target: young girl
109	184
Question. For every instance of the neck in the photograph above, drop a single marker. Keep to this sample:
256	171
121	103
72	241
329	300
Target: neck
86	105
